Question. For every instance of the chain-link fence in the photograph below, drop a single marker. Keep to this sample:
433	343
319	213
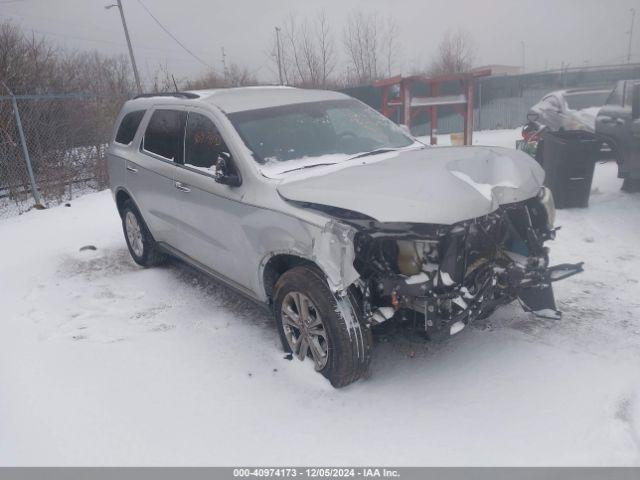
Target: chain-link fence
63	141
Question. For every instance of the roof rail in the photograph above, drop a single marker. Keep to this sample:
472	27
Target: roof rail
168	94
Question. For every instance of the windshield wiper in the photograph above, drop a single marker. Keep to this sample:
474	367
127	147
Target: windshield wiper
374	152
308	166
360	155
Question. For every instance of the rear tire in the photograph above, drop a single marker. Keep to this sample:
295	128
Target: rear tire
142	246
330	322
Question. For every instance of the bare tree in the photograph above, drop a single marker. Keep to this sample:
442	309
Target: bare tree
391	45
307	51
360	37
210	79
162	80
371	46
456	53
27	62
237	76
326	47
240	76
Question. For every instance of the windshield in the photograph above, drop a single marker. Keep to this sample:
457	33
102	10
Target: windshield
316	129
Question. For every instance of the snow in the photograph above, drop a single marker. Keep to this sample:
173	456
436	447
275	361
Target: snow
485	189
415	279
446	279
105	363
457	327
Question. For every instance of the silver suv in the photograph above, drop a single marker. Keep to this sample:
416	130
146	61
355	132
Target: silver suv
322	210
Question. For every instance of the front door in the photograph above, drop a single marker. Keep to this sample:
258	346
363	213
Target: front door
210	214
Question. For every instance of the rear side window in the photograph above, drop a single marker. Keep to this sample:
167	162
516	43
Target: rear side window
129	126
165	134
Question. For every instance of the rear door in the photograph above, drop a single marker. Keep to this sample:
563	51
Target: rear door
150	173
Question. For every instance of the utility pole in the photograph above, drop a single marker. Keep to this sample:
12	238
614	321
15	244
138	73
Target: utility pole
126	34
630	32
523	57
225	72
279	54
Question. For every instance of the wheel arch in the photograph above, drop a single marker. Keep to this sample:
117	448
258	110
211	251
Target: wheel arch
276	264
121	196
614	145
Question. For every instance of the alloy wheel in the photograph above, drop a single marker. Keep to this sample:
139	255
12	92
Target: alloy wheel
304	329
134	233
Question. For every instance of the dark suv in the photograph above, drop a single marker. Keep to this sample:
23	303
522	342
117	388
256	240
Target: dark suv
619	123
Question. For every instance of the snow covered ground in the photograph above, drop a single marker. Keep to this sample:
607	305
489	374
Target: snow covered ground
105	363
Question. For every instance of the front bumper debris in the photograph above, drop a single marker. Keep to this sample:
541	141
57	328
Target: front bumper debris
538	298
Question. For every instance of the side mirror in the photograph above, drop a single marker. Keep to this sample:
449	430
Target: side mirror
635	102
223	173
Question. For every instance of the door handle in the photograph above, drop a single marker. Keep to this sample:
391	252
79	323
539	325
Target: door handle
182	187
131	169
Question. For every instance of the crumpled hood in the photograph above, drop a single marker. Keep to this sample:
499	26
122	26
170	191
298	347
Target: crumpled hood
432	185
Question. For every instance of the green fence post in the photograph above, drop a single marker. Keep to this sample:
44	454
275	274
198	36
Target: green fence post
25	150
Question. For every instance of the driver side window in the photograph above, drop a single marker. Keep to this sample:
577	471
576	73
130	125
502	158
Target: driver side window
615	98
203	143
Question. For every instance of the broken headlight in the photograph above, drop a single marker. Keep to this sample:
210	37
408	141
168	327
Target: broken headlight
546	199
414	256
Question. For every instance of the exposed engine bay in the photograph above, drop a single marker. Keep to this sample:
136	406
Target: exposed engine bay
441	277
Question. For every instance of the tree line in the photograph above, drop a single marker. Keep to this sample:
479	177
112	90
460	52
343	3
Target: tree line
307	51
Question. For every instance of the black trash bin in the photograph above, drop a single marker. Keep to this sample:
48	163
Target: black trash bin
569	159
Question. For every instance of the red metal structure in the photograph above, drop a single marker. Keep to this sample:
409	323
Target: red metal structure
397	96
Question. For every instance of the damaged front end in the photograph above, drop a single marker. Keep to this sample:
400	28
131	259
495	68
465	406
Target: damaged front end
441	277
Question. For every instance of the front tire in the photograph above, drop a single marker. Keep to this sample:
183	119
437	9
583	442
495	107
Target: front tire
315	323
142	246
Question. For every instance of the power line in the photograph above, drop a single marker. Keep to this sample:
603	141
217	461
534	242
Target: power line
90	39
18	17
45	33
173	57
173	37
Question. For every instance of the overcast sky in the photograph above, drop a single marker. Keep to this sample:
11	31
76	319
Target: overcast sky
576	31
